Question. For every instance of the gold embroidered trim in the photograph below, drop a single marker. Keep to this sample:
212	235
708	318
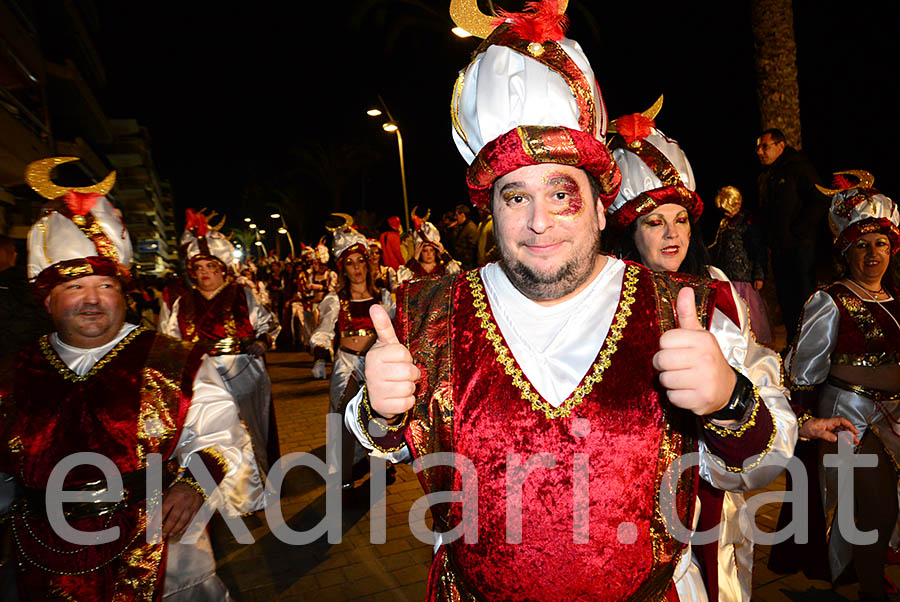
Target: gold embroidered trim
801	420
217	457
363	423
869	360
759	459
51	356
802	387
747	424
594	377
190	482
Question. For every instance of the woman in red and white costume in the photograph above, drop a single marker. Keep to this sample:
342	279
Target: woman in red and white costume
345	314
844	365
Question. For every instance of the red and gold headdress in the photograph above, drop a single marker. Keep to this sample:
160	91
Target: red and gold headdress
528	97
858	209
655	171
204	241
81	234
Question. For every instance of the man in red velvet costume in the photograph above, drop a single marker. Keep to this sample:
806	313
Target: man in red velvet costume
564	381
226	318
101	385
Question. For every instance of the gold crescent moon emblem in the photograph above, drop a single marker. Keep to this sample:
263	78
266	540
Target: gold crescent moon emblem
866	180
348	221
650	113
38	175
466	14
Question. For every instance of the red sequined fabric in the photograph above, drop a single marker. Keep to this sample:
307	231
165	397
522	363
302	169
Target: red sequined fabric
225	315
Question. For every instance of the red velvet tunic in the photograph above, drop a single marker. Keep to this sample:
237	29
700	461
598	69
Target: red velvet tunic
224	316
866	333
133	403
354	319
474	400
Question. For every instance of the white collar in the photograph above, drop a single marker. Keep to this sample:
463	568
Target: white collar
79	360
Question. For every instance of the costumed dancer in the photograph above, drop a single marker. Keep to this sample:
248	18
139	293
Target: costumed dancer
391	245
385	276
302	315
227	319
429	257
844	365
600	372
99	385
653	215
344	317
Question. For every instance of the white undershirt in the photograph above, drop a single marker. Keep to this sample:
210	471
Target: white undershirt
555	345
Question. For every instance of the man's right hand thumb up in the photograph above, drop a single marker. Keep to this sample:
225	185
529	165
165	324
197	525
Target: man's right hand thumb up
391	374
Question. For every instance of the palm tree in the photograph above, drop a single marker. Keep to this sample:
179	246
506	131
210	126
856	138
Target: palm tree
775	52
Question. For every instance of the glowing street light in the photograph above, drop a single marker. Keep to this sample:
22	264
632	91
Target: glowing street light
253	226
392	128
275	215
248	220
283	230
262	231
460	32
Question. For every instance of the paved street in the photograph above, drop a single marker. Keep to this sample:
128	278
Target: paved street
354	569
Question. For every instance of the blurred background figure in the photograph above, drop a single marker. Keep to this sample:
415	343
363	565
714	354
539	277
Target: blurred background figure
740	252
22	321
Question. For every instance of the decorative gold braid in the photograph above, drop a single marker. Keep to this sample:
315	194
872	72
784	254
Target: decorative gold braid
762	454
190	482
802	387
801	420
594	377
738	432
363	423
51	356
24	556
217	457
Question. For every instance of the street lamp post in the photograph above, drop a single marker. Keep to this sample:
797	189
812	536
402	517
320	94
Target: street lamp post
283	230
391	127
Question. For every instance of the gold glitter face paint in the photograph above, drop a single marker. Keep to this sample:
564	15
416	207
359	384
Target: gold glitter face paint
566	191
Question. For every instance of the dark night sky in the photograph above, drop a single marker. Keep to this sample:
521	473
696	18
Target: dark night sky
227	92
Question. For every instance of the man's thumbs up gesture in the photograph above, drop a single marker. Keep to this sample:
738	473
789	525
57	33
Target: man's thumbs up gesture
390	373
691	365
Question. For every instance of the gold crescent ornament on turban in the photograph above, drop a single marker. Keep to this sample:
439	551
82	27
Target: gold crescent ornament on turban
38	176
650	113
866	180
466	14
348	221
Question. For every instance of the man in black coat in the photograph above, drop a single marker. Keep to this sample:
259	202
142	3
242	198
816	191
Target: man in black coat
792	210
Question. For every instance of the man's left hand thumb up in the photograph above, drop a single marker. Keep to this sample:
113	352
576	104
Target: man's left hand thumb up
691	365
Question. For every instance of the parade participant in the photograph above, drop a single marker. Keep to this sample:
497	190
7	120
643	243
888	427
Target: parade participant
429	258
302	315
845	365
653	214
391	246
101	385
227	319
585	365
385	277
344	315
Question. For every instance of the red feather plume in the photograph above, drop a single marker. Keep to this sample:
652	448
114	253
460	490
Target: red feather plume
80	203
841	182
634	127
539	21
195	222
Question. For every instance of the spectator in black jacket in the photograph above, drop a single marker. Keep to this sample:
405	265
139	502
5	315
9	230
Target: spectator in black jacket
22	321
792	210
465	241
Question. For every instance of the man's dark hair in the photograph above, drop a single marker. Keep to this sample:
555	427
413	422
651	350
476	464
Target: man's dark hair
776	134
464	209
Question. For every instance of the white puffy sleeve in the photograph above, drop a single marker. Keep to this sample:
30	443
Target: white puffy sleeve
809	360
168	320
762	366
328	313
263	321
213	431
388	303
